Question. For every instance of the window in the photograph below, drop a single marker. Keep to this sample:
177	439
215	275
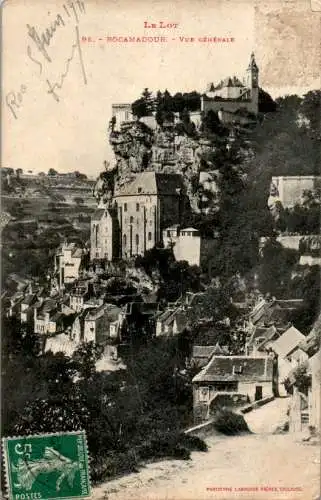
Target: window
168	234
139	189
204	394
137	239
124	240
131	220
125	207
149	236
137	207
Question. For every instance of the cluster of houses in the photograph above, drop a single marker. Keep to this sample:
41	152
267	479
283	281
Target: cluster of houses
274	351
266	367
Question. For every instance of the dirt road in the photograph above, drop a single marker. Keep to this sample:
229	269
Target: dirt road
256	466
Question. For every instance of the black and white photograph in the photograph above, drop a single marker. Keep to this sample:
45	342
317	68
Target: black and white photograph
160	250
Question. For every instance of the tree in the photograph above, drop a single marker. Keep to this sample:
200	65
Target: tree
211	123
276	267
52	172
80	176
85	357
143	106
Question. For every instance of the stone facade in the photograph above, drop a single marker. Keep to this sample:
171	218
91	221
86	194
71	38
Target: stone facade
67	263
104	234
232	95
289	190
122	113
242	375
188	245
145	207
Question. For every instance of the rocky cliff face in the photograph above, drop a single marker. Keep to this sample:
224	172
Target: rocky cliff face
138	147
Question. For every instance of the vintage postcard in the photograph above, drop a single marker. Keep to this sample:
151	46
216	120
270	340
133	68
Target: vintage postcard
160	237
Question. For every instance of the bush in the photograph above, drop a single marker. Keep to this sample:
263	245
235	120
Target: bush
193	443
230	423
107	467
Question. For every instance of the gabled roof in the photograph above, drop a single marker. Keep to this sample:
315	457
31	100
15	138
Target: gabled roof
99	213
261	332
203	351
165	315
227	82
274	311
234	368
310	345
288	341
181	320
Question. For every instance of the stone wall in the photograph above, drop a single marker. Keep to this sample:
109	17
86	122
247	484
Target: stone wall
290	189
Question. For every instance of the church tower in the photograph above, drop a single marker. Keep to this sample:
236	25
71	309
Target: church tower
252	82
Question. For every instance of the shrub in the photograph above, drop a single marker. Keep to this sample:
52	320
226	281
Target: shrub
106	467
193	443
230	423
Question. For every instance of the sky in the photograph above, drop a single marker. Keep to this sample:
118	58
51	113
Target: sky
57	95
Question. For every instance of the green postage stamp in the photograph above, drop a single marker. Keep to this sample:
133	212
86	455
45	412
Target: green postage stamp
47	466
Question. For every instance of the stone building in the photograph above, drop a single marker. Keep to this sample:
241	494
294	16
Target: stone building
104	234
121	112
289	190
146	206
188	244
233	376
232	95
67	263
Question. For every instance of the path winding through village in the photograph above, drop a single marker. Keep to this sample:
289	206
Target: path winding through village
265	465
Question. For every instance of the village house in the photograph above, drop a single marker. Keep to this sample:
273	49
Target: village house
251	377
27	307
47	318
287	346
255	344
67	263
272	311
104	237
171	322
97	322
201	354
314	396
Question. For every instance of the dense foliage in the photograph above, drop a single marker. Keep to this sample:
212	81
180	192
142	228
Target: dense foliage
129	416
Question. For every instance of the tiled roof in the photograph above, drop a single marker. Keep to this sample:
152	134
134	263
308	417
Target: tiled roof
262	332
274	311
57	317
232	368
99	213
77	252
288	341
227	82
203	351
164	316
48	305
